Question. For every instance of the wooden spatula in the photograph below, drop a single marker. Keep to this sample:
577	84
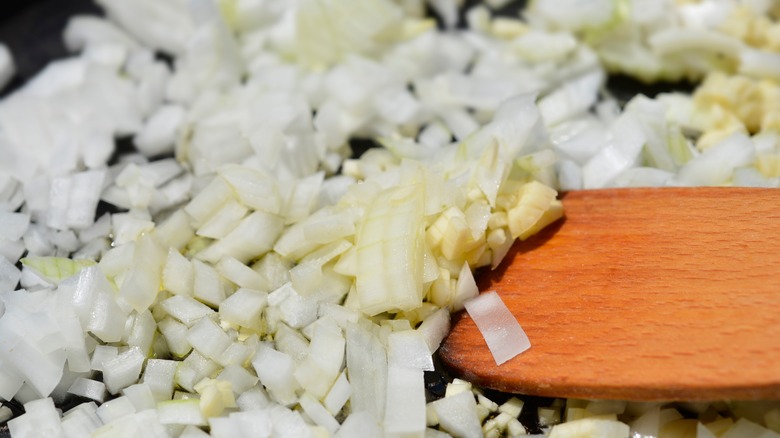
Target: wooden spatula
641	294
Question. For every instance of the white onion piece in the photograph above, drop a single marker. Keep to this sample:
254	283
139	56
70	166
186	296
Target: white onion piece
103	354
367	364
538	46
142	331
10	382
503	334
716	165
322	366
338	395
142	283
759	64
88	388
208	338
314	409
390	252
591	427
159	376
618	155
408	348
574	98
40	418
175	334
84	31
457	415
123	370
57	77
178	274
244	308
275	371
82	420
253	237
181	412
161	26
693	40
574	15
239	378
42	370
73	200
254	399
144	423
140	395
9	276
207	286
405	406
435	328
359	424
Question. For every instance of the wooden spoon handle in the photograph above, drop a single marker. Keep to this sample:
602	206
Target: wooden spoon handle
641	294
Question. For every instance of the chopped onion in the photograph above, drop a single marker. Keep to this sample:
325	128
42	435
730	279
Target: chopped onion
503	334
253	291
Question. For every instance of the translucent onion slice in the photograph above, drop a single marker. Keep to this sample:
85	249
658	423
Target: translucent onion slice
503	334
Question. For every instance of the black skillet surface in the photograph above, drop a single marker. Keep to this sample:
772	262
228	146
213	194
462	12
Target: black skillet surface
32	30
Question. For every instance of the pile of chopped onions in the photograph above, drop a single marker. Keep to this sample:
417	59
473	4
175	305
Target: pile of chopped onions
258	280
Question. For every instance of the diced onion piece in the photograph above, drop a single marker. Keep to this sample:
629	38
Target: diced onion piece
256	189
390	251
435	328
208	201
503	334
534	199
81	420
322	365
239	378
254	236
208	286
677	40
142	283
181	412
244	308
457	415
215	396
405	406
338	395
74	199
115	409
275	371
716	165
359	424
9	276
175	334
159	376
123	370
40	418
103	354
140	395
178	274
13	225
314	409
223	220
465	288
158	134
590	427
408	348
208	338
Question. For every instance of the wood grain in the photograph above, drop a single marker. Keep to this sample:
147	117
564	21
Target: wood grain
641	294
